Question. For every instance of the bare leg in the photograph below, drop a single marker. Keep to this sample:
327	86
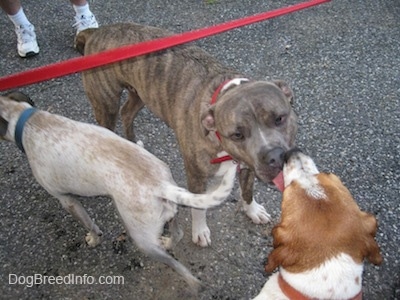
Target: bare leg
79	2
10	7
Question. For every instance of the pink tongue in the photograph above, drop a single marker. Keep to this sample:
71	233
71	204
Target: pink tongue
278	181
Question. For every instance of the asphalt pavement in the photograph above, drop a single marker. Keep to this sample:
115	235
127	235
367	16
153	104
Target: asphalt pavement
342	59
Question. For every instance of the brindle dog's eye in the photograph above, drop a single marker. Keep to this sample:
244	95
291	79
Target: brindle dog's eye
280	120
237	136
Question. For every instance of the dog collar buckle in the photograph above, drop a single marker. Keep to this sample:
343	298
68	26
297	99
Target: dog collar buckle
19	127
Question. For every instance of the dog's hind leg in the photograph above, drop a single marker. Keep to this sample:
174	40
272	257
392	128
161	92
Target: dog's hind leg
176	234
128	113
150	245
146	232
75	208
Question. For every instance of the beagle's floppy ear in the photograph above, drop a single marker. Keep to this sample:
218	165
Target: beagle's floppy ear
282	254
3	127
287	91
20	97
372	251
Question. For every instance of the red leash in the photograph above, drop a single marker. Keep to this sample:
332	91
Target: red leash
79	64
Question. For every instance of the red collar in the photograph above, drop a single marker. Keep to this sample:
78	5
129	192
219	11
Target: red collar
294	294
223	86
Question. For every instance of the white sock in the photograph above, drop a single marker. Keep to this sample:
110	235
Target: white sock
19	18
82	10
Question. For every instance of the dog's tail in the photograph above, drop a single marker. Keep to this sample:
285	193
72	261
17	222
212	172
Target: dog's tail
212	198
81	38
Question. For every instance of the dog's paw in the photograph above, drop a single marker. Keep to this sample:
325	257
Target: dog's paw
202	237
166	242
256	212
201	234
92	239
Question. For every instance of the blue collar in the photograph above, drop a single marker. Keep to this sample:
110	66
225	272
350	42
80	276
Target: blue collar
19	128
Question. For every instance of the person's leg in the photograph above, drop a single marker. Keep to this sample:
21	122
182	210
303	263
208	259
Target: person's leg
10	7
27	45
84	18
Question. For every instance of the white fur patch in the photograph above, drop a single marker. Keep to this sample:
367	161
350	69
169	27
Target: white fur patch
302	169
312	187
224	166
201	234
256	212
235	81
338	278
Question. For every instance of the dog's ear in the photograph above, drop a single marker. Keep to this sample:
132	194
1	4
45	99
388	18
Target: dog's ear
20	97
81	38
208	121
3	127
272	262
287	91
372	251
282	254
275	257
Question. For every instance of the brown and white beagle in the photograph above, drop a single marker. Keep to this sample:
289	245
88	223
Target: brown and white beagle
322	239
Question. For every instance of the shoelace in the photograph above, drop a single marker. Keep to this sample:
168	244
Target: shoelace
26	33
83	20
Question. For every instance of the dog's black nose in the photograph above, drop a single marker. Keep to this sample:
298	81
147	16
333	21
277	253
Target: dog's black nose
274	157
289	153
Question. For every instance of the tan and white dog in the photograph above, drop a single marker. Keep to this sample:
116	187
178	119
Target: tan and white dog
70	159
322	238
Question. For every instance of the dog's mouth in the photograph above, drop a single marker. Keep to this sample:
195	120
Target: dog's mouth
291	153
276	175
267	175
270	163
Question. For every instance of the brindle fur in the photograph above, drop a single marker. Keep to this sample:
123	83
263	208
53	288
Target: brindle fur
176	85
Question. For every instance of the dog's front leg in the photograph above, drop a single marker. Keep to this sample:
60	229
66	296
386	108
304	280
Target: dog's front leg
201	234
75	208
254	211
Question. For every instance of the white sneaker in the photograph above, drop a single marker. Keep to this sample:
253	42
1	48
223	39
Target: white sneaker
84	22
27	45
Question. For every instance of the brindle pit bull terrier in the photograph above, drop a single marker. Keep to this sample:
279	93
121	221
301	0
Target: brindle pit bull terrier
250	120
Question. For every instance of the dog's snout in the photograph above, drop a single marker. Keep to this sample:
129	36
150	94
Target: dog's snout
274	158
289	153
